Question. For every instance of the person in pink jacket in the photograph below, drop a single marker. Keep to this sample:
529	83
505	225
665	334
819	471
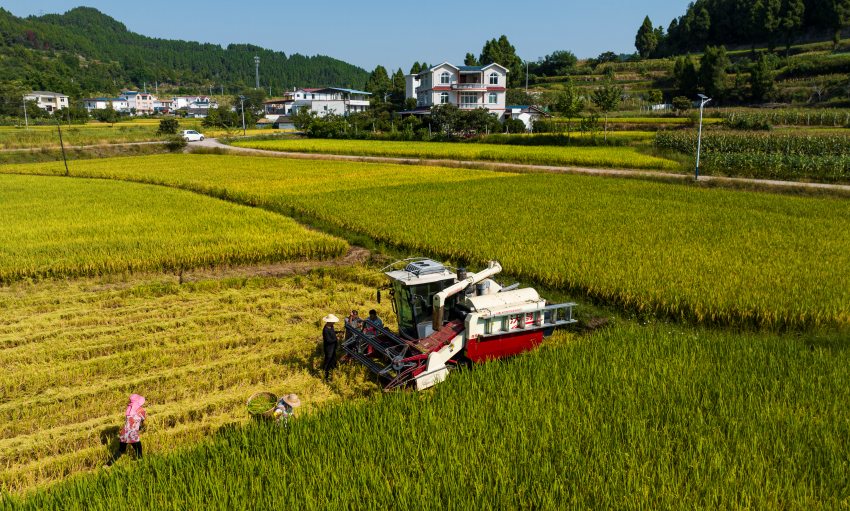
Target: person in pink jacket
134	418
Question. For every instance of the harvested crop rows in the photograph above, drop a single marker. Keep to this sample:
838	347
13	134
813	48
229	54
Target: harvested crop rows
608	157
73	350
59	227
711	256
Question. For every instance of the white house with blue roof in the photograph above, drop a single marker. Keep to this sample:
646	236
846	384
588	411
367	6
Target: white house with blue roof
466	87
322	101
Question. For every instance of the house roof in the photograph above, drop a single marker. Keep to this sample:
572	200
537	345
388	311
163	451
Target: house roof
527	108
45	93
350	91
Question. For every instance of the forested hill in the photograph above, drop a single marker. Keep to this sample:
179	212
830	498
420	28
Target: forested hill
745	22
85	52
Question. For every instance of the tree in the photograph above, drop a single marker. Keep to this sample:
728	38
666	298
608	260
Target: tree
685	76
607	98
168	127
379	83
712	71
502	52
570	104
655	97
792	21
646	40
761	79
702	25
107	114
681	104
558	63
470	60
415	69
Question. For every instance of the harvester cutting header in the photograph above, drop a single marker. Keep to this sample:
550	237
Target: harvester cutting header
446	319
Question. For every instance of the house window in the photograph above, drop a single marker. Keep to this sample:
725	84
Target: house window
494	78
468	98
445	77
492	98
444	98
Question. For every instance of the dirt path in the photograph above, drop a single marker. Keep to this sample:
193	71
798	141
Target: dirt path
212	143
355	255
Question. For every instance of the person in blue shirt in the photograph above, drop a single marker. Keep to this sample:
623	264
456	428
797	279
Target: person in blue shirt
373	317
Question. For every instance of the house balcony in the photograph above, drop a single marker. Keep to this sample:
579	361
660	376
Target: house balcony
469	86
471	106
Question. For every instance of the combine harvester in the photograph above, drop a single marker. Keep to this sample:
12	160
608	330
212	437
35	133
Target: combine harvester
449	319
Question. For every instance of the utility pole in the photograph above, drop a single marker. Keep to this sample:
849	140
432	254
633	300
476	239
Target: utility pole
703	101
61	143
526	77
26	120
242	101
257	69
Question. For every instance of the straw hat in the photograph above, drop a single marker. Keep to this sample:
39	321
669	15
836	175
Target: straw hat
330	318
292	400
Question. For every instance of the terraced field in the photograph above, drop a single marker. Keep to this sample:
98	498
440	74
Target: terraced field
705	255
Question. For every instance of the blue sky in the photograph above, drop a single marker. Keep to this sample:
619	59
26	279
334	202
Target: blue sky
389	32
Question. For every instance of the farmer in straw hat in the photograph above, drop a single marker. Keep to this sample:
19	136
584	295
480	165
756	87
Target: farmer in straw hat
329	343
134	418
286	408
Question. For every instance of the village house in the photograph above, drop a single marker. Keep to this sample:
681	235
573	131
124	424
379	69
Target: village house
140	103
50	101
528	114
322	101
193	106
120	105
466	87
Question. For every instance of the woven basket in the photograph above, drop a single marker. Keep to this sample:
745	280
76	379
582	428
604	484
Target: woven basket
270	411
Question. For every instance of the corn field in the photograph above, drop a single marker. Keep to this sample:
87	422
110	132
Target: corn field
707	256
59	227
822	157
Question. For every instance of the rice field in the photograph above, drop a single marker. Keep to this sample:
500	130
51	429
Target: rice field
709	256
642	414
631	417
73	350
65	227
97	133
606	157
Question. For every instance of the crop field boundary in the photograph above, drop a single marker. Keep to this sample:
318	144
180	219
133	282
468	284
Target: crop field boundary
381	244
658	175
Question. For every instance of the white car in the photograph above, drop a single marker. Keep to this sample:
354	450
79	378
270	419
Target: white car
191	135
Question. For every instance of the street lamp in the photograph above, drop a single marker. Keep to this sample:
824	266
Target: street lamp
242	102
703	101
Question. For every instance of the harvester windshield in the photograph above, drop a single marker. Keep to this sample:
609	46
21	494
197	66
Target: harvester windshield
413	290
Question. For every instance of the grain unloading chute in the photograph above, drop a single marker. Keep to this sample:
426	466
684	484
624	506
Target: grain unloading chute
447	318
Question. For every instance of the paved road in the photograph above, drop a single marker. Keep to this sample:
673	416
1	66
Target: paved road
729	181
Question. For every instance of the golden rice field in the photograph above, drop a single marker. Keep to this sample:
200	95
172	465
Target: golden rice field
73	350
60	227
607	157
97	133
713	256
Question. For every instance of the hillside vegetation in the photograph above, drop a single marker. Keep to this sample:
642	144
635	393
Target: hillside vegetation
85	52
